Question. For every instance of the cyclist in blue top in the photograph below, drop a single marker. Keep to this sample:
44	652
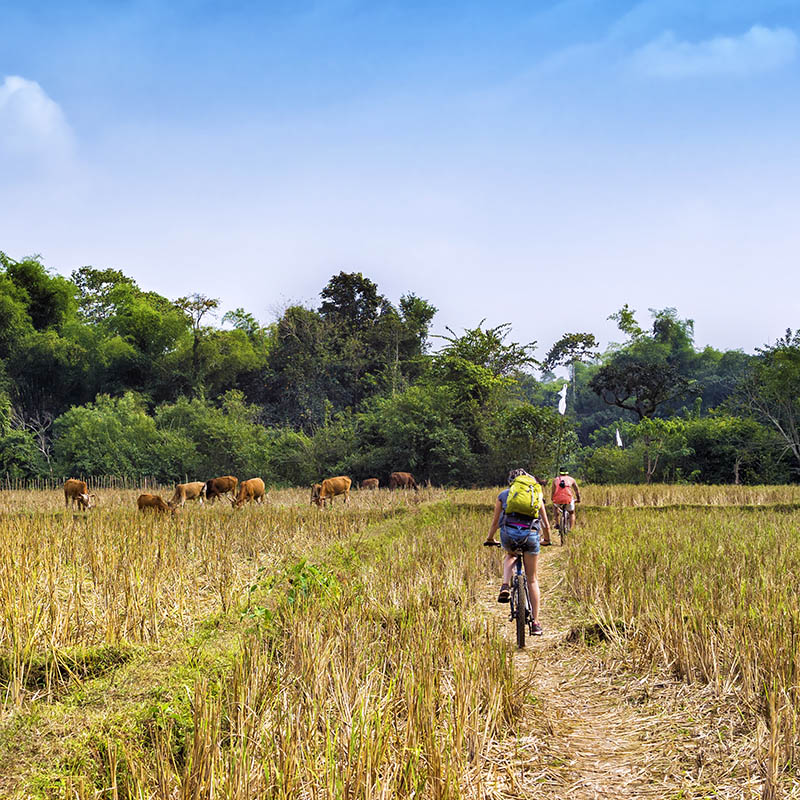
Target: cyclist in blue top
519	533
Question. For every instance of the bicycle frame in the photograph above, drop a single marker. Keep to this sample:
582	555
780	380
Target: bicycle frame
519	591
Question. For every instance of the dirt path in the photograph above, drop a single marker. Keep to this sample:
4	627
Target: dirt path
603	732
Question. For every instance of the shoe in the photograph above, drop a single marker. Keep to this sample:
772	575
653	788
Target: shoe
546	544
536	630
505	594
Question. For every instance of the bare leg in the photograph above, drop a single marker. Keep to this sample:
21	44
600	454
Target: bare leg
531	567
508	567
546	534
556	516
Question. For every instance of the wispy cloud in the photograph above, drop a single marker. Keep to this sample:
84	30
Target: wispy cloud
645	17
758	50
32	125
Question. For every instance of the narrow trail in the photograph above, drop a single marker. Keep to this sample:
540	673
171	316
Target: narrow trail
601	732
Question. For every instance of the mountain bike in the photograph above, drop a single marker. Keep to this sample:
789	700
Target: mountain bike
521	614
562	521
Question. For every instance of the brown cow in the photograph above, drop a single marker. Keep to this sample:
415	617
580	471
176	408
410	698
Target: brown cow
329	488
402	480
77	491
370	483
196	490
252	489
217	487
152	502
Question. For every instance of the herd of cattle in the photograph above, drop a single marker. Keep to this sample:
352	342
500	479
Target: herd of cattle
228	486
331	487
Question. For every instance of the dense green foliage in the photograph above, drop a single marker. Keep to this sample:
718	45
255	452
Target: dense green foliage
99	377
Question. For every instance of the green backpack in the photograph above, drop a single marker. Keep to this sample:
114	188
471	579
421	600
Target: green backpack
524	497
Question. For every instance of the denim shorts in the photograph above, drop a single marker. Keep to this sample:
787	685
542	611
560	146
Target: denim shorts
519	539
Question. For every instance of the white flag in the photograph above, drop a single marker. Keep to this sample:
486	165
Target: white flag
619	439
562	403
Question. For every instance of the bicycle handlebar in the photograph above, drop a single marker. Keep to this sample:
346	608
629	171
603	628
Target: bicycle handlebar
492	544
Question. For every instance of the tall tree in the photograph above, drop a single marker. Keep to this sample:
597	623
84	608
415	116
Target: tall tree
19	453
296	384
631	383
351	301
99	295
571	347
50	299
397	343
772	390
196	306
650	371
526	436
479	368
487	349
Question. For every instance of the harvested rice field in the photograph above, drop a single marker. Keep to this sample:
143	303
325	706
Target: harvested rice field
281	651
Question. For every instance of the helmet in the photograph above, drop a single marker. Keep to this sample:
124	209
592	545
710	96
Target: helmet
515	473
563	471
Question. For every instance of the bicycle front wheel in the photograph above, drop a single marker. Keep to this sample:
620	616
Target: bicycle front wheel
522	607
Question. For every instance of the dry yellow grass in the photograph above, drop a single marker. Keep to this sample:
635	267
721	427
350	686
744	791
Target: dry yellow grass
377	681
285	651
685	494
659	495
359	649
710	594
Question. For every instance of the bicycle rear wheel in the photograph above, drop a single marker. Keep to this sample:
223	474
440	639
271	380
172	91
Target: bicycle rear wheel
519	594
564	526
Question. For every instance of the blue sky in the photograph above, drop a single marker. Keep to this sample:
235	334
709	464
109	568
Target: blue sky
619	152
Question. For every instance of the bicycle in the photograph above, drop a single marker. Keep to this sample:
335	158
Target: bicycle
562	521
521	613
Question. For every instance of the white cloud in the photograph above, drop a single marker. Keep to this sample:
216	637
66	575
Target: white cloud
758	50
647	16
32	125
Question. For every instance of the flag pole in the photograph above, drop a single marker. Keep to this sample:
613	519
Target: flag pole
562	409
558	450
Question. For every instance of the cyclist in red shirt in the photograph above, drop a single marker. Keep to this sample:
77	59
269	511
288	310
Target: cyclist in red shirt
564	492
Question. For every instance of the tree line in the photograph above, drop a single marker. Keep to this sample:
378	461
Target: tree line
101	377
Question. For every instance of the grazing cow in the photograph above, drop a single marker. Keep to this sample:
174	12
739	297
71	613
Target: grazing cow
402	480
77	491
252	489
152	502
370	483
217	487
196	490
329	488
